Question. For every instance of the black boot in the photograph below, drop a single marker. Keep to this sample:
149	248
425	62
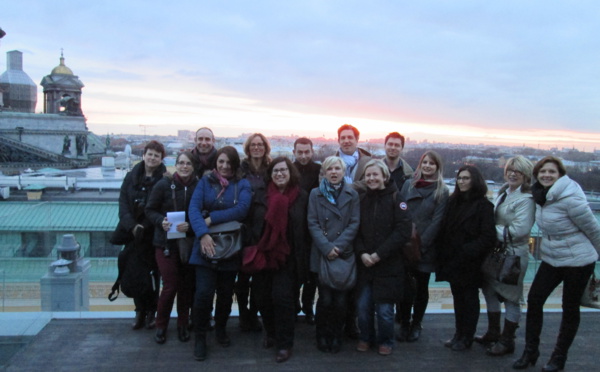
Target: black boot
506	344
449	343
493	332
200	320
161	336
530	356
462	344
200	345
404	331
556	363
140	318
415	332
150	319
221	336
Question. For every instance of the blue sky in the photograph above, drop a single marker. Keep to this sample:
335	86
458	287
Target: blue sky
462	71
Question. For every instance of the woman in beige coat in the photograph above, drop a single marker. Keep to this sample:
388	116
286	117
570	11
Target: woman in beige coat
514	212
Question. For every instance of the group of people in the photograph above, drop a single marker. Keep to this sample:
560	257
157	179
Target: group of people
303	221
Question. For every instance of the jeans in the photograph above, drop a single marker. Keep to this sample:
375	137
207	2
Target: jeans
366	309
275	291
208	282
331	313
178	279
466	308
546	279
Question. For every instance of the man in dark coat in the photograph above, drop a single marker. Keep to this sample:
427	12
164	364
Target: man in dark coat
353	156
205	151
309	179
399	168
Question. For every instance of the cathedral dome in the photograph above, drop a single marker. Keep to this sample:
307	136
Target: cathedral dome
61	68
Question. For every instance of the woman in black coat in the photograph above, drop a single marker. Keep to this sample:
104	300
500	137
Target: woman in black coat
466	236
385	226
280	256
173	194
135	189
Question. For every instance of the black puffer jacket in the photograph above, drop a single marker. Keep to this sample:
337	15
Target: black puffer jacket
161	201
385	226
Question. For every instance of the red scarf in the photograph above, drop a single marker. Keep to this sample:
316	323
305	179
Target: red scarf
422	183
272	249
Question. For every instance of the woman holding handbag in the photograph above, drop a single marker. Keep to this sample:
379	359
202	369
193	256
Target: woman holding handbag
220	196
279	259
385	227
467	235
514	211
172	194
333	221
569	251
426	195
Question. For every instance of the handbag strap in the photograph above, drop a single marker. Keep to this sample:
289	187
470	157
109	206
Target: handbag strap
506	233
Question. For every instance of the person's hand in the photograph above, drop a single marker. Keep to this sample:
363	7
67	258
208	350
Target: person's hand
138	232
375	258
367	260
207	221
166	225
183	227
333	254
207	245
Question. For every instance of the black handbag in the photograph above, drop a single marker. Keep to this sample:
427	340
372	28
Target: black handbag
338	274
502	265
227	237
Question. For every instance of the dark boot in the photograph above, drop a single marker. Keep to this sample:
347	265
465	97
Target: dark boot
493	332
200	345
556	363
449	343
404	331
506	344
150	319
462	344
415	332
530	356
140	318
221	336
200	320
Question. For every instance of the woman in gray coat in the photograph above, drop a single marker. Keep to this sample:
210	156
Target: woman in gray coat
426	196
333	221
514	212
569	251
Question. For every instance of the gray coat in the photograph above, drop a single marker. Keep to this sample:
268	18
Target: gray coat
332	225
570	232
427	214
517	212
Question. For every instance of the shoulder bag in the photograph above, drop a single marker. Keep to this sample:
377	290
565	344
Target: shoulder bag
338	274
502	265
227	236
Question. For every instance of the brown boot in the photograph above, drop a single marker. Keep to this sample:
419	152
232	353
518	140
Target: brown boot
506	344
493	332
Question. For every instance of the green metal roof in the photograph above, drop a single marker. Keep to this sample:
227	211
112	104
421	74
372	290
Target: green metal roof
58	216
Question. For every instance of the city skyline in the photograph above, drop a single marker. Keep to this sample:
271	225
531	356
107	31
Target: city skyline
508	73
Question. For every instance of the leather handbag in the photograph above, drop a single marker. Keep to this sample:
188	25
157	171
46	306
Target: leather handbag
228	240
590	297
412	249
338	274
502	265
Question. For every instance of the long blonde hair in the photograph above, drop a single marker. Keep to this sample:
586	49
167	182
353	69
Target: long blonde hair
439	179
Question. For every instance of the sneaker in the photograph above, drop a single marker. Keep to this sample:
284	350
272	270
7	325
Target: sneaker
385	350
362	346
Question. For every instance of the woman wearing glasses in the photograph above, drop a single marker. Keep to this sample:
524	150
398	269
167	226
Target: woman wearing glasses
467	235
172	194
514	209
281	256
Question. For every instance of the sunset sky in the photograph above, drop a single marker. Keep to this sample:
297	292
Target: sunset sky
505	72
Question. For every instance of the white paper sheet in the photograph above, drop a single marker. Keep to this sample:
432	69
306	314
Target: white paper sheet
175	218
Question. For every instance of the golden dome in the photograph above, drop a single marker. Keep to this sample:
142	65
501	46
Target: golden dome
61	68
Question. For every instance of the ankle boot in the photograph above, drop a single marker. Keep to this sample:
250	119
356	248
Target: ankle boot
556	363
530	356
404	332
415	332
506	344
140	318
221	336
493	332
449	343
200	346
150	319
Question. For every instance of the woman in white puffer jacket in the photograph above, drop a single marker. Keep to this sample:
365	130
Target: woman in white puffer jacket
569	251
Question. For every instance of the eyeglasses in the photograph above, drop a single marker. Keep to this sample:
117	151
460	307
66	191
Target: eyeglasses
184	163
281	170
257	145
460	179
514	171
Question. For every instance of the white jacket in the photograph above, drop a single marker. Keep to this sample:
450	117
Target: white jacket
570	232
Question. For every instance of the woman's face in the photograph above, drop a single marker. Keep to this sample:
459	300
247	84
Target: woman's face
281	175
428	168
257	148
334	173
184	167
374	178
514	178
224	166
548	174
464	181
152	158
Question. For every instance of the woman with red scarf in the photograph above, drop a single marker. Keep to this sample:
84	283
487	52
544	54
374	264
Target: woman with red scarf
280	258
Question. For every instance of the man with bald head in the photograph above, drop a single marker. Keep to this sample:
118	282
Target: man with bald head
205	151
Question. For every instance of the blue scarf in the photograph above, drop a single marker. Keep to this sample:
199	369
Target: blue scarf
329	191
351	161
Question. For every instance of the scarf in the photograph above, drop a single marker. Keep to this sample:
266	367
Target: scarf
183	182
329	191
272	249
422	183
539	193
222	180
204	159
351	161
